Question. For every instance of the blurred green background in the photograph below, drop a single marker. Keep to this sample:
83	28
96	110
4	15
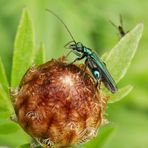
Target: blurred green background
89	23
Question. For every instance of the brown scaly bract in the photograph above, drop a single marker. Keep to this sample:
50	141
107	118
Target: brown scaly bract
58	104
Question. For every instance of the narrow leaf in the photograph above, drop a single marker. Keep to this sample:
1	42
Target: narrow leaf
40	55
7	128
3	78
102	138
23	49
4	113
24	146
104	135
5	102
120	57
122	92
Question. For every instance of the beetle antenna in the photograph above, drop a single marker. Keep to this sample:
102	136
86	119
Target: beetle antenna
50	11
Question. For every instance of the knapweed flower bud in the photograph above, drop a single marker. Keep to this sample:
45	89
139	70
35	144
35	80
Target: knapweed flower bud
58	104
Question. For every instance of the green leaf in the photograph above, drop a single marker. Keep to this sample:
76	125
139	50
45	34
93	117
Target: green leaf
23	49
103	136
3	93
4	114
120	57
3	78
8	128
120	94
5	101
24	146
40	55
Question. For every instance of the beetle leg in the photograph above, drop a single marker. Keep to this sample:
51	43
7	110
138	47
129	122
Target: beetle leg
78	59
86	64
98	84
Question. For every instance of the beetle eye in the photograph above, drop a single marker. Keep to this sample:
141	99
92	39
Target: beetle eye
71	45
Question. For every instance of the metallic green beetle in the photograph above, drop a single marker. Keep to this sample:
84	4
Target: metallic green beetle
93	62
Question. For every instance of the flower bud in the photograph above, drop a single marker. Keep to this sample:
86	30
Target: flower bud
59	105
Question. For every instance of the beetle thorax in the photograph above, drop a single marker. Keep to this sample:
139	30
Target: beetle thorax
87	51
